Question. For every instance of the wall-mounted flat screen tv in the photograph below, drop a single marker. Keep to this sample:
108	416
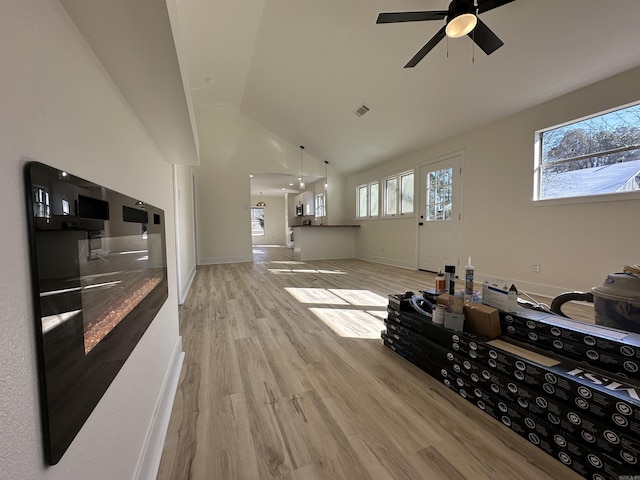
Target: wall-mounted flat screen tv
99	273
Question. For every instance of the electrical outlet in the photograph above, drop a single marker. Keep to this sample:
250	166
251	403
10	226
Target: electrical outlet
536	267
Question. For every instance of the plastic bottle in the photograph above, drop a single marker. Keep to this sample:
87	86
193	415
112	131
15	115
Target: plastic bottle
468	278
441	286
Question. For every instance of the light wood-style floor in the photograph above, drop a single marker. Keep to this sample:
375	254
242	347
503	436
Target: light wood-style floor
286	377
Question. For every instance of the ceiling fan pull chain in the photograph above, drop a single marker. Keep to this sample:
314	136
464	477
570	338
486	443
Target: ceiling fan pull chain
473	47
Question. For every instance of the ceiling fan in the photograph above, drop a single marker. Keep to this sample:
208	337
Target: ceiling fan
461	19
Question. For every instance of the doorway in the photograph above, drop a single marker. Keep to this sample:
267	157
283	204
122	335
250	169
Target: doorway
440	212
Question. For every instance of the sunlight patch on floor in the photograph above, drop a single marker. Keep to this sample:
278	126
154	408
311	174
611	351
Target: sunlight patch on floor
350	323
279	271
361	297
316	296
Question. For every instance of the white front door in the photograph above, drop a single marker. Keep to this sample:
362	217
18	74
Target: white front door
440	213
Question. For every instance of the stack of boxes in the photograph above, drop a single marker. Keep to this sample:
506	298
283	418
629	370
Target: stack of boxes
587	418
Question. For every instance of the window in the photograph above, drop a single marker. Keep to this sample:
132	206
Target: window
320	209
368	200
257	221
406	193
439	188
391	196
593	156
398	194
374	194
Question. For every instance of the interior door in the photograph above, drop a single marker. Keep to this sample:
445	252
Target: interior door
440	222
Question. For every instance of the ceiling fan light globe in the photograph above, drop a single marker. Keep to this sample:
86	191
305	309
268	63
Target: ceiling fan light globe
461	25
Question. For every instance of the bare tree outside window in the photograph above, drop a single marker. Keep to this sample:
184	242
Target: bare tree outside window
597	155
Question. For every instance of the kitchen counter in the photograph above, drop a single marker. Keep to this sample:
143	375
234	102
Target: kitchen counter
323	242
325	226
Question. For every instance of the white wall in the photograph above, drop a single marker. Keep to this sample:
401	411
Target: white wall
274	221
576	244
231	147
185	228
59	107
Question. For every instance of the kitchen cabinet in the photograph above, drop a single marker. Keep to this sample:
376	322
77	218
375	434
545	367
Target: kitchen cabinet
305	199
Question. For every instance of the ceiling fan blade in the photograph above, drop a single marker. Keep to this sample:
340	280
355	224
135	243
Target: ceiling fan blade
426	49
486	5
485	38
395	17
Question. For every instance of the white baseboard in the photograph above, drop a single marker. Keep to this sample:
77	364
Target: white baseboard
388	261
184	290
220	260
149	461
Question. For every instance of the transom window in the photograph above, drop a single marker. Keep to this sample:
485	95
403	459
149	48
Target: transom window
593	156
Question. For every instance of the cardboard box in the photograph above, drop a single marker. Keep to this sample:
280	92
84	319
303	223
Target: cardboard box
454	303
500	294
482	319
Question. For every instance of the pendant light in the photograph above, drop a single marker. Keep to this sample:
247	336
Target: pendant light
301	185
326	176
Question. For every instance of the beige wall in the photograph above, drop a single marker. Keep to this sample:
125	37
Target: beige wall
60	108
504	231
274	221
231	147
185	231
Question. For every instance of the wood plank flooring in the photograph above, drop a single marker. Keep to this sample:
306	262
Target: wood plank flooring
286	377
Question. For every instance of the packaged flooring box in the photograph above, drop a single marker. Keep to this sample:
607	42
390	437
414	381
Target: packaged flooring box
598	337
567	418
625	366
609	398
585	459
588	462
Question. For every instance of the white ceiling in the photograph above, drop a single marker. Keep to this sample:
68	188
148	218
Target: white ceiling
301	67
276	184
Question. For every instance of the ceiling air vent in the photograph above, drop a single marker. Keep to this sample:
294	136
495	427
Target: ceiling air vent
361	110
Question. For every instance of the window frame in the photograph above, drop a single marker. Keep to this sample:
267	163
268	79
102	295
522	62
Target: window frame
264	230
399	195
368	187
319	205
588	198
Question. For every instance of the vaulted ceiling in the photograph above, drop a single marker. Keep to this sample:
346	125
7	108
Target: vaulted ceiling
301	67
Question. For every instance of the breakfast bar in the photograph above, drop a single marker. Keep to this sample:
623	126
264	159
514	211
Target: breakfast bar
323	242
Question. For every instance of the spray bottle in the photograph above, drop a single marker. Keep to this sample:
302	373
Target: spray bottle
468	278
